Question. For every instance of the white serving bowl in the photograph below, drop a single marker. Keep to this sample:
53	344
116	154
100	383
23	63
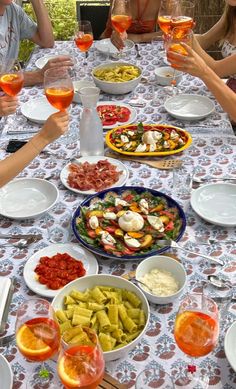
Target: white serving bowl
162	262
79	85
116	88
164	75
82	284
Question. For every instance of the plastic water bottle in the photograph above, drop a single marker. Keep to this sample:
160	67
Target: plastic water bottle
91	130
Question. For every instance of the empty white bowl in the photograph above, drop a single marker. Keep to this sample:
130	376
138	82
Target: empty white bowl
164	75
81	284
116	88
79	85
168	264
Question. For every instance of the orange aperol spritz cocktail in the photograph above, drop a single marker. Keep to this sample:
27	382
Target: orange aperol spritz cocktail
58	88
196	333
81	365
37	335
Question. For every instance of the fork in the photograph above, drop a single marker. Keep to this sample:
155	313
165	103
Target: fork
173	244
164	164
36	237
6	339
20	243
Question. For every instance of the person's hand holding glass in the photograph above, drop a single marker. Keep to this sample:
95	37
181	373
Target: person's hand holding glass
11	82
121	19
196	333
174	44
59	90
84	40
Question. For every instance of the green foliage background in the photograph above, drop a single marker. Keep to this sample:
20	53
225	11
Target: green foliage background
63	16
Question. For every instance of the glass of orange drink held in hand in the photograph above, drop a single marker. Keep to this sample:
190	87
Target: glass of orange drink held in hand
81	364
38	338
196	333
121	17
11	82
84	38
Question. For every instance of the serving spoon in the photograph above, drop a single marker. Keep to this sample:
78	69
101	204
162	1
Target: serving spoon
21	243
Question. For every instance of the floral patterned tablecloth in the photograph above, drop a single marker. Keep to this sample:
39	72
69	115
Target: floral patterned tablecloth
213	152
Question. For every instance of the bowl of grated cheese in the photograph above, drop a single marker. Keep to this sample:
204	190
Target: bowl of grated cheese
165	278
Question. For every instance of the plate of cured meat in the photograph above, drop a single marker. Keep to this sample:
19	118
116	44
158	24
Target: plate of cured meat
90	175
144	139
51	268
113	114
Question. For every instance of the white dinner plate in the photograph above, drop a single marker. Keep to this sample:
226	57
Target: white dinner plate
6	375
25	198
41	62
189	107
216	203
38	110
230	345
106	47
132	118
73	249
94	159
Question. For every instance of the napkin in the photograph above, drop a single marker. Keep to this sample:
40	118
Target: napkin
5	284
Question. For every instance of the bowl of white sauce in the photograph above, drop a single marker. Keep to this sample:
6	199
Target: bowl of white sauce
164	276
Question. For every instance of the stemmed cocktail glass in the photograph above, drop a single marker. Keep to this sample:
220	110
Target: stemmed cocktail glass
11	82
59	90
81	365
196	333
37	338
121	17
84	39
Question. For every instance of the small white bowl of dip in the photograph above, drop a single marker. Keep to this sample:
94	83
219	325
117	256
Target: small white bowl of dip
165	276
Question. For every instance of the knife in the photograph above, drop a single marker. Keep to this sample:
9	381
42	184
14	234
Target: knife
7	305
21	236
12	132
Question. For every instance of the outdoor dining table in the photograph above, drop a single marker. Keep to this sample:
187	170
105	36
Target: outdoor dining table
213	150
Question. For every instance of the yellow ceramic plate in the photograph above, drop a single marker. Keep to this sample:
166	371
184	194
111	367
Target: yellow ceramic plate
164	128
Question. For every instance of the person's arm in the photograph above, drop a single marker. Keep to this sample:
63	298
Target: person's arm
8	105
223	68
55	126
213	35
195	65
44	34
36	77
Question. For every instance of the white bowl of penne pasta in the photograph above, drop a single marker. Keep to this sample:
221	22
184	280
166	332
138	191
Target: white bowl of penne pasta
114	307
117	78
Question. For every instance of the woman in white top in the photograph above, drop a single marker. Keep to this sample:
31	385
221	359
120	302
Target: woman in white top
224	32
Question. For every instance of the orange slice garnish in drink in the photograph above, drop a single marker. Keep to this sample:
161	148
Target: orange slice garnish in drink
68	372
9	77
29	344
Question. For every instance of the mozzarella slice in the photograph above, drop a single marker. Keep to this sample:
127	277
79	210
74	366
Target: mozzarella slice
152	147
156	223
131	133
131	242
174	134
166	145
107	238
148	137
93	222
142	147
143	205
109	215
127	145
124	139
119	201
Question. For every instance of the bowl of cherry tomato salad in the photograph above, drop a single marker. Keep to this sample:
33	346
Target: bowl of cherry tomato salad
127	222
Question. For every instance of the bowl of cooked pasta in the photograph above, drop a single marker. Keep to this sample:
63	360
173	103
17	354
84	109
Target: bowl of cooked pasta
117	78
112	306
